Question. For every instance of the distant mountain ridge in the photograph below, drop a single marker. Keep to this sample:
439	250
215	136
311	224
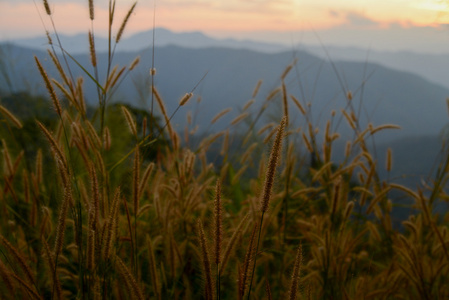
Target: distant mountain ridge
433	67
78	44
380	94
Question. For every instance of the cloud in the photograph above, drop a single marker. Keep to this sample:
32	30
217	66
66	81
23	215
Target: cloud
334	13
359	20
351	19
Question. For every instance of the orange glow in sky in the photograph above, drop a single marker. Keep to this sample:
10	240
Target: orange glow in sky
20	18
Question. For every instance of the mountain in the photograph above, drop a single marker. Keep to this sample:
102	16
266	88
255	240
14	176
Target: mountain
79	43
433	67
380	95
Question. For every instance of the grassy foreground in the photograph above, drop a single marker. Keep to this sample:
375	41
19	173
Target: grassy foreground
100	211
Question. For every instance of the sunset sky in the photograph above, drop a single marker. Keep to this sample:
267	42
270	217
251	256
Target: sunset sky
269	20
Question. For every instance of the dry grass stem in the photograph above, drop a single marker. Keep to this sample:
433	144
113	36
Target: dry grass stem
93	55
293	292
163	110
47	7
239	118
10	116
107	139
91	10
284	101
220	114
286	71
130	121
153	270
60	229
389	158
54	145
136	179
29	289
248	104
110	225
185	99
134	63
19	258
206	262
386	126
298	104
272	163
125	21
257	88
218	216
130	281
245	270
5	274
51	90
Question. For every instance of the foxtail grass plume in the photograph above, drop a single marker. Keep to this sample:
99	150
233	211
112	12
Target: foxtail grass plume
91	10
256	89
125	21
130	121
130	280
220	114
185	99
134	63
206	261
239	118
10	116
93	55
293	293
49	86
6	277
218	212
298	104
47	8
389	158
272	164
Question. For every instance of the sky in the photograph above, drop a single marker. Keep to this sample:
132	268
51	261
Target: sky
384	24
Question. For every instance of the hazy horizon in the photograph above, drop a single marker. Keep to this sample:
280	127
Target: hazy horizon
416	26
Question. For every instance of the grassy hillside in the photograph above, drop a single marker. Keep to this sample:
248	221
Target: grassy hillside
116	202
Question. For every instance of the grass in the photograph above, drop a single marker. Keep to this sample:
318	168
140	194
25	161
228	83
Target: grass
93	216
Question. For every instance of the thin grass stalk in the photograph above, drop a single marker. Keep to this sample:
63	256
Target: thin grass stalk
10	116
218	216
220	114
232	241
268	290
136	292
285	101
51	90
246	268
128	218
125	21
19	258
110	226
52	266
145	178
256	89
206	261
136	176
5	274
32	292
95	205
268	186
153	269
295	275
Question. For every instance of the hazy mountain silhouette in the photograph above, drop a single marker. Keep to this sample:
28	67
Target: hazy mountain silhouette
381	95
433	67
